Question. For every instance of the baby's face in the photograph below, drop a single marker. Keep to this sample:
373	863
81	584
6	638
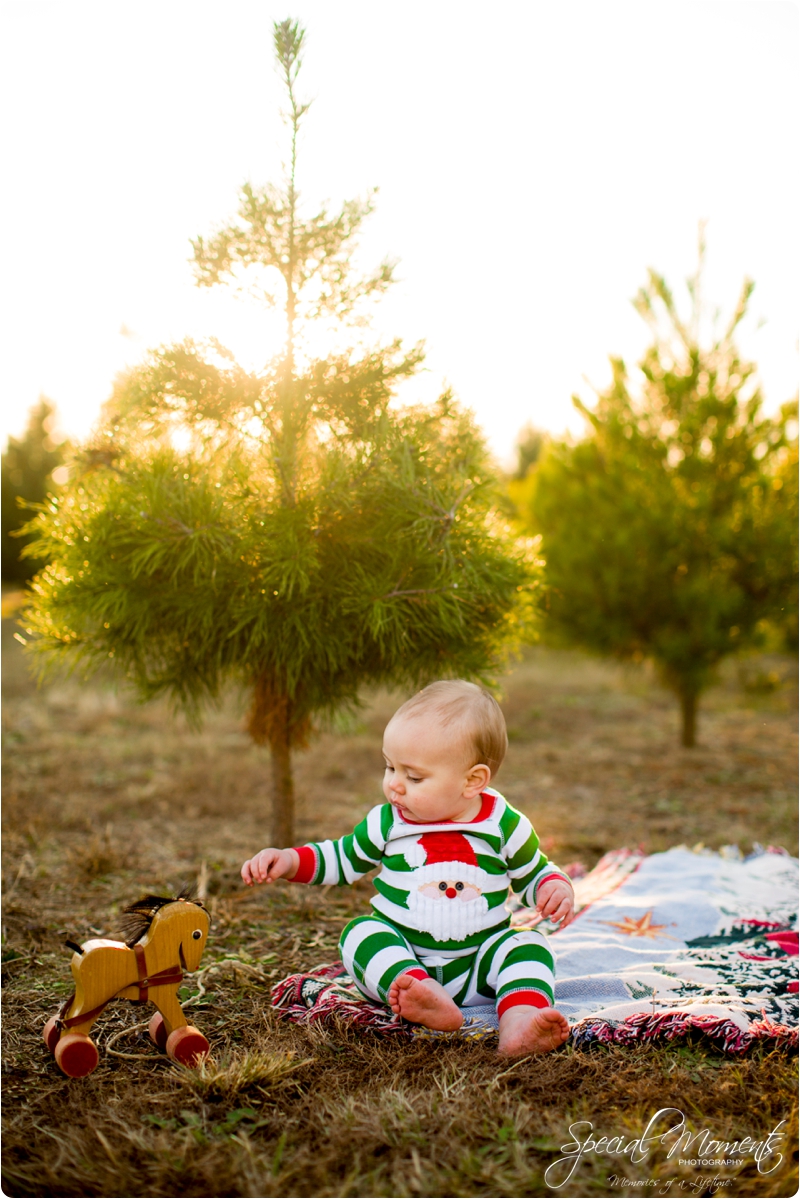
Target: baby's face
426	778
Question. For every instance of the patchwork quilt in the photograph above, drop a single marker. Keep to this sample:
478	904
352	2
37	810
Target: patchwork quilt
662	946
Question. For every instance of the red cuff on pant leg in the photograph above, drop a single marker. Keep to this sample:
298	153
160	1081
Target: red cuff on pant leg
417	972
522	999
308	864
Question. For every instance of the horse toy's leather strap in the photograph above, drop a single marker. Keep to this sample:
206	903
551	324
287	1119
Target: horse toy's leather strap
173	975
84	1016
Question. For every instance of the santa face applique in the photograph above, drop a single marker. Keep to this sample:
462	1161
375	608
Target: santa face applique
446	900
451	888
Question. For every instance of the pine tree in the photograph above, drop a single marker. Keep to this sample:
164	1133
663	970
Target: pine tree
28	465
670	531
289	529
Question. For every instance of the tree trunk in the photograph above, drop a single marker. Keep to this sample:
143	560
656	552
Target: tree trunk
282	794
274	721
688	701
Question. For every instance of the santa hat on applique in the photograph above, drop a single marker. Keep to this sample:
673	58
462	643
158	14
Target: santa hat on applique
445	855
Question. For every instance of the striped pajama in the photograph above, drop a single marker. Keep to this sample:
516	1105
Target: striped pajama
510	967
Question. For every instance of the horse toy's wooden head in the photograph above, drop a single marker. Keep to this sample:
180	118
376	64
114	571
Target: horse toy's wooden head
180	922
162	937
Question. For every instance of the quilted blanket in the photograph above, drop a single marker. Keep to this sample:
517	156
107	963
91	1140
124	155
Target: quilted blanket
663	946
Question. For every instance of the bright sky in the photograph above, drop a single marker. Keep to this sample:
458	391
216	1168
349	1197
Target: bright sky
533	159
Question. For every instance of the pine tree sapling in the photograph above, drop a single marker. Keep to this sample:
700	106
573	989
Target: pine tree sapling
670	531
302	535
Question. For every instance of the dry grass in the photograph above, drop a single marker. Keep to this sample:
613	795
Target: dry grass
104	800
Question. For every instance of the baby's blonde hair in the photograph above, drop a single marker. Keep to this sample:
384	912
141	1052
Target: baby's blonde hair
480	725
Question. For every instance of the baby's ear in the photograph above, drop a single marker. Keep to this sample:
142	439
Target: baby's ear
478	777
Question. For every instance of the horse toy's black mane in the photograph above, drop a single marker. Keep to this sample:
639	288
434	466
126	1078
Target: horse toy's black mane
138	916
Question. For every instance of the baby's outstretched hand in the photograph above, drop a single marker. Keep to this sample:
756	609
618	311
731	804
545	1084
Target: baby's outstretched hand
555	901
270	864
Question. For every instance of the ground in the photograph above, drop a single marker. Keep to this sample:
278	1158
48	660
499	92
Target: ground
105	800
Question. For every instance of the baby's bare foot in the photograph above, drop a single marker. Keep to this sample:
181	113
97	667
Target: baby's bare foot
424	1002
531	1030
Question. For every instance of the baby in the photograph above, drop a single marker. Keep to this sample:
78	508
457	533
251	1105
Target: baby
448	845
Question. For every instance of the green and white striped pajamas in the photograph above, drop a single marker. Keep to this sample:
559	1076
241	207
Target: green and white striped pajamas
509	968
440	910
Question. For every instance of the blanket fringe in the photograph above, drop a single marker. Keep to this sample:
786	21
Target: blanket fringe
328	993
643	1026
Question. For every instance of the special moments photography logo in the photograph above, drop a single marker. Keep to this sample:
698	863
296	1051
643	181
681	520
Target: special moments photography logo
700	1150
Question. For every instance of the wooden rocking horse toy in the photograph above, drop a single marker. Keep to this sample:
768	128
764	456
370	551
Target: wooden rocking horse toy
163	937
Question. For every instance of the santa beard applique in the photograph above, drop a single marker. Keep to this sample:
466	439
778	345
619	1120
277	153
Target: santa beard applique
445	899
444	911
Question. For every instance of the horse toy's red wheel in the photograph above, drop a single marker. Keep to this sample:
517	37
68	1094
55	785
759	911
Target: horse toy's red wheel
186	1045
158	1031
76	1055
51	1032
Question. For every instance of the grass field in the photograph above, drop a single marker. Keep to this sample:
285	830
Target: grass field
104	800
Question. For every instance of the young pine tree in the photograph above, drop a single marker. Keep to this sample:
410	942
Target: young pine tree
288	529
670	531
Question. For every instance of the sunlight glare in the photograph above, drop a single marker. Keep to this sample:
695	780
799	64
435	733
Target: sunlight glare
180	438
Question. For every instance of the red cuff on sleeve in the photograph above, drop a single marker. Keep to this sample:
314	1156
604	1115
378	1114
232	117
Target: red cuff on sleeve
308	864
524	998
562	878
554	874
